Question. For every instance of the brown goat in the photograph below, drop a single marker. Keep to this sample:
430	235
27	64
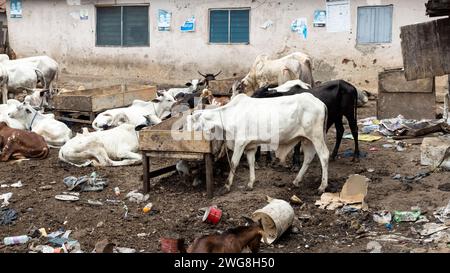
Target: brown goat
19	144
233	240
217	101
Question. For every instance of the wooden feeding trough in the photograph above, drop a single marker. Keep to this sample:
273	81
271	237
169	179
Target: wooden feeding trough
72	106
168	140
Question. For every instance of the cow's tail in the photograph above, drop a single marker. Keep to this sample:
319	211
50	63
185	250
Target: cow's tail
38	71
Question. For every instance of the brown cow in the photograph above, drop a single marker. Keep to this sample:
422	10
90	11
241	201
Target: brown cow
19	144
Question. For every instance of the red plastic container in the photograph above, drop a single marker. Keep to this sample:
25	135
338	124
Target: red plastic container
212	215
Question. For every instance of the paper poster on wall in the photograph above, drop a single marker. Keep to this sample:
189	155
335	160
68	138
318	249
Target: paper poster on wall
189	25
320	18
16	9
267	24
84	14
338	16
300	25
164	18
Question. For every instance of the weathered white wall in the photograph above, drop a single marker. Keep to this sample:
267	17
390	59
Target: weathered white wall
47	27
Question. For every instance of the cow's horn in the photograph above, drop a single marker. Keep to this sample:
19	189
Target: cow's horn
201	73
218	73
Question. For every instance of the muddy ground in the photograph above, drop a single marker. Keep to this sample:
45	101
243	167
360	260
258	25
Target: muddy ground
178	203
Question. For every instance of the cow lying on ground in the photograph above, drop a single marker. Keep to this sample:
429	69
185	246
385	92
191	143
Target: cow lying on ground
282	121
265	71
156	110
233	240
4	110
339	96
54	132
19	144
114	147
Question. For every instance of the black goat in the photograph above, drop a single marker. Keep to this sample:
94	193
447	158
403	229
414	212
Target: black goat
339	96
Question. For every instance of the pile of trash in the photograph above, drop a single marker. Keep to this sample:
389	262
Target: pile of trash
350	198
431	232
400	126
86	183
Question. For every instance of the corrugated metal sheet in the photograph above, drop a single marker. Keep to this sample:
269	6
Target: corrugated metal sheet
375	24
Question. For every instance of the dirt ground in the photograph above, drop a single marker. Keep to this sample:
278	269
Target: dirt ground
178	204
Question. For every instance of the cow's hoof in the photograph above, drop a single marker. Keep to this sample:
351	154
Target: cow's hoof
295	168
321	191
296	184
355	159
223	191
248	188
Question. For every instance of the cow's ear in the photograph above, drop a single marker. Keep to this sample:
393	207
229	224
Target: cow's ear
188	84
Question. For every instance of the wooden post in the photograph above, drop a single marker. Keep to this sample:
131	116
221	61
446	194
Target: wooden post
209	175
146	174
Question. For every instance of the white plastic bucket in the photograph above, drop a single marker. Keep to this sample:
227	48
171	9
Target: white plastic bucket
276	218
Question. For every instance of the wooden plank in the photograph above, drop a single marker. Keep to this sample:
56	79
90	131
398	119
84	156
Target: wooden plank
162	171
438	8
174	141
146	171
74	120
425	49
175	155
209	175
394	81
443	31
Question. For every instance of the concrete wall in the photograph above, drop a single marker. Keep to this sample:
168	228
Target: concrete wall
53	28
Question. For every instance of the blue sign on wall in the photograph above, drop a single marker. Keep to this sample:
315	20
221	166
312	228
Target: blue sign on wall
16	9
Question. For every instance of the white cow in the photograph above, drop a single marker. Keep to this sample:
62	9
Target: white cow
115	147
281	122
265	71
54	132
191	88
135	114
4	57
38	98
47	65
16	77
289	84
4	110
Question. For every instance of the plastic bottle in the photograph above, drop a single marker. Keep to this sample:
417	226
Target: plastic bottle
117	191
147	208
14	240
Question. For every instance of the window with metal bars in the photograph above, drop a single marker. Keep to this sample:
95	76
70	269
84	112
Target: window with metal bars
122	26
229	26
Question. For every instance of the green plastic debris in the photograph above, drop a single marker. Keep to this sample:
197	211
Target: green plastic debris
406	216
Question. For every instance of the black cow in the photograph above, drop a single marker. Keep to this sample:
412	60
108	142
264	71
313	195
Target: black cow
208	77
339	96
